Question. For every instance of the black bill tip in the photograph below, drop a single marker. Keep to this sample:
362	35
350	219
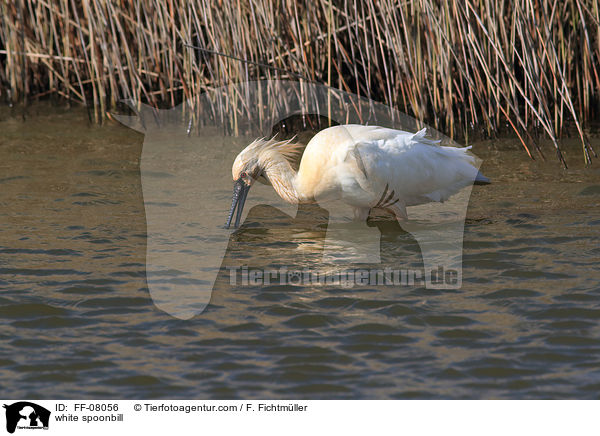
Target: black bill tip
240	191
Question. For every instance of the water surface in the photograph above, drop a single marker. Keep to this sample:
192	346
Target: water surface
78	320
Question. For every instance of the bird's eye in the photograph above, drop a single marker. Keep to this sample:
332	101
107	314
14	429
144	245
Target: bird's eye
243	175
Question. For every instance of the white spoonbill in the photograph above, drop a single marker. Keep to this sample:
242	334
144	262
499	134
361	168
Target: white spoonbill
366	167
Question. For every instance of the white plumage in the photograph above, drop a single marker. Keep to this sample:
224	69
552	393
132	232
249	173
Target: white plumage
365	166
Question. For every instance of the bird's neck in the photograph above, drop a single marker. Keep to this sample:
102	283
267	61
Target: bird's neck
283	178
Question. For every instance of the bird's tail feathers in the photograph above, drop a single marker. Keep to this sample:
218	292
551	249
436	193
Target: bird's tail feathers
480	179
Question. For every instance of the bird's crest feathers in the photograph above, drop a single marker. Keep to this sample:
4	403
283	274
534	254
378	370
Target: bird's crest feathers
262	152
287	148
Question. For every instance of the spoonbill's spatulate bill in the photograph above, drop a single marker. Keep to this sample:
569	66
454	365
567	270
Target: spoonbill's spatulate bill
366	167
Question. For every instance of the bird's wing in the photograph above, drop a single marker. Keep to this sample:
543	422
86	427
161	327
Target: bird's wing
415	168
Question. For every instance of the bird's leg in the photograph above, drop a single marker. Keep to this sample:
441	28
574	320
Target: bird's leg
390	202
361	213
399	210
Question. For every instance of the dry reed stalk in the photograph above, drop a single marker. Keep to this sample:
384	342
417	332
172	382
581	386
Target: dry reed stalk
458	65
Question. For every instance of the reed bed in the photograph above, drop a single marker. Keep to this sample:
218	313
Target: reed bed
457	65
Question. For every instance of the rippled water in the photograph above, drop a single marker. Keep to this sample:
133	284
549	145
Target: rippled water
78	320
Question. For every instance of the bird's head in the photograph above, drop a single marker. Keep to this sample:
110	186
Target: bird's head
246	168
251	164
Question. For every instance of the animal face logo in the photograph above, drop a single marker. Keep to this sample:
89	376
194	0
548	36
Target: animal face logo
186	183
26	415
